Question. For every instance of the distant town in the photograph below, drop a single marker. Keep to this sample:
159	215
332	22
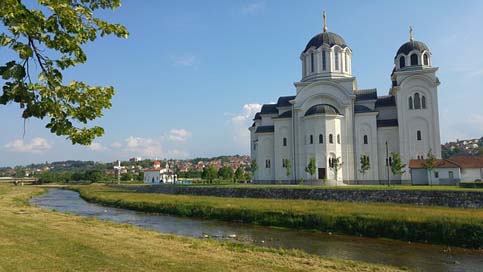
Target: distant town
133	168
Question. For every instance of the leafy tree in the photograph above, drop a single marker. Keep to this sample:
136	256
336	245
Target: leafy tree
287	164
225	172
77	176
47	41
209	173
239	175
253	166
336	165
311	167
20	172
94	175
127	176
365	165
429	164
397	166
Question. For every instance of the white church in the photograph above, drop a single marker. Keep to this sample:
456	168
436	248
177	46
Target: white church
331	120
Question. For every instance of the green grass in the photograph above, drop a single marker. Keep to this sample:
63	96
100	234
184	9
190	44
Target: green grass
32	239
439	225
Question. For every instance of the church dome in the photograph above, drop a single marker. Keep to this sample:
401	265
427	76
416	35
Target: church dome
322	109
412	45
328	38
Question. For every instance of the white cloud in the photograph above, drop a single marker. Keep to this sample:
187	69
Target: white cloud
37	145
116	145
184	61
241	122
97	147
146	147
179	135
254	7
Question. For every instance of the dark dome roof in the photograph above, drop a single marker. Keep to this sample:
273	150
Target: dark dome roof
412	45
329	38
322	109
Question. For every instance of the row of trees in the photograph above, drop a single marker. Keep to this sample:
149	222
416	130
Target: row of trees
395	164
84	176
226	173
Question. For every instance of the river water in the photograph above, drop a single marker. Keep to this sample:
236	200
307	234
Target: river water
414	256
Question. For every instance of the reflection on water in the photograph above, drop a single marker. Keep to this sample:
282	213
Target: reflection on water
396	253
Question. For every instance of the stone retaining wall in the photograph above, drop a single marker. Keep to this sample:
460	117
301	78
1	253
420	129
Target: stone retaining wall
456	199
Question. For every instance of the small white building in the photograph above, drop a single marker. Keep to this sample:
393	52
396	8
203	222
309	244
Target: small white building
158	175
447	171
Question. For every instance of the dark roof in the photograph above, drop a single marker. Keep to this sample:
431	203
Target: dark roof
269	109
387	123
328	38
265	129
322	109
366	95
361	109
284	101
287	114
410	46
257	116
385	101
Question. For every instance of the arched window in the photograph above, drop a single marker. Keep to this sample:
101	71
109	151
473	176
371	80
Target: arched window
312	62
414	59
417	101
338	138
284	141
331	139
423	101
324	61
366	140
311	139
402	62
410	101
418	135
426	59
336	59
321	139
346	56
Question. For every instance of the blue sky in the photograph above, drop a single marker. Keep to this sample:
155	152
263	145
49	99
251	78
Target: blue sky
191	74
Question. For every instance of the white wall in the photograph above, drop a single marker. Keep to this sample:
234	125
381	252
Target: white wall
471	174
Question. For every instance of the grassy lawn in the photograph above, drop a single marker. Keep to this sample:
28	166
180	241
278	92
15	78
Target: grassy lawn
32	239
458	227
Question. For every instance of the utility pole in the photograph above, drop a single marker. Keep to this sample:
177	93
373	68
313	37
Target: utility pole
388	164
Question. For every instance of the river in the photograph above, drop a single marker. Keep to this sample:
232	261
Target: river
414	256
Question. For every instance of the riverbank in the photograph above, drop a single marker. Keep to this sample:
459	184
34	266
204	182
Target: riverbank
32	239
422	196
437	225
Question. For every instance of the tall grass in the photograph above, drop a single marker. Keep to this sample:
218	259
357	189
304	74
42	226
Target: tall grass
455	227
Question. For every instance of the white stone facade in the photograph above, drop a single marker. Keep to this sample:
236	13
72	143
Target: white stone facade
330	118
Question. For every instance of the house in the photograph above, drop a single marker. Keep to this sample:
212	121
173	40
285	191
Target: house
158	175
447	171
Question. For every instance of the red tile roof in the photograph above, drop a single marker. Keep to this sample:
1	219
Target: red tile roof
453	162
467	161
440	163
